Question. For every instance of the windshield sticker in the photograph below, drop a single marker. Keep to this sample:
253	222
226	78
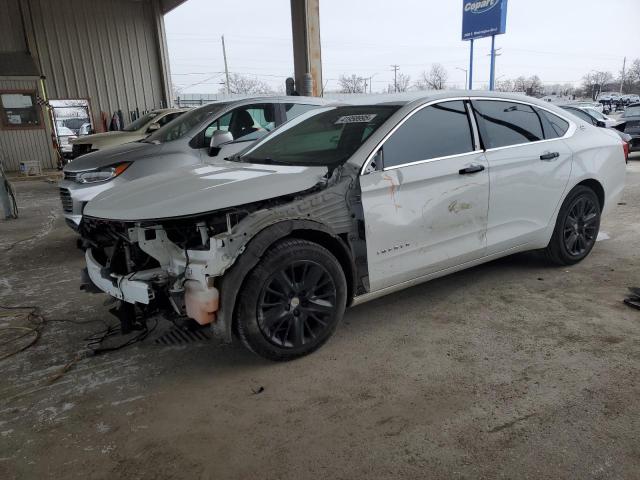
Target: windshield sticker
366	118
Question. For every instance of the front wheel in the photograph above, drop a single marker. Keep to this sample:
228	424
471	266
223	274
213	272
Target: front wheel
576	228
292	301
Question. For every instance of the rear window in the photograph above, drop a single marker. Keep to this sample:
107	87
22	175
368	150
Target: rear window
507	123
553	125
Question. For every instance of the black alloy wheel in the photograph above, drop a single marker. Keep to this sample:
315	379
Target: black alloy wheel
576	228
581	226
292	301
296	304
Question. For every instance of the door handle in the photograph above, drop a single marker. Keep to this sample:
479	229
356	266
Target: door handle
549	156
471	169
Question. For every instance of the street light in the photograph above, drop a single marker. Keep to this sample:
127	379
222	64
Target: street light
465	75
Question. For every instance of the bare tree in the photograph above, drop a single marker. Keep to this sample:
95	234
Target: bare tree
631	80
595	82
239	84
352	84
505	86
532	86
402	82
436	79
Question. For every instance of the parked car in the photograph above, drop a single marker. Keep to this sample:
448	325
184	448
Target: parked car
65	137
347	203
593	117
631	120
136	130
85	129
595	105
633	98
608	121
219	128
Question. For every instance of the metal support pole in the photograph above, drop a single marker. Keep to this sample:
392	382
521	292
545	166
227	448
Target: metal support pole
307	56
471	67
492	74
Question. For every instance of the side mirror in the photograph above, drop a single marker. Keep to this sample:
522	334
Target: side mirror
218	138
600	123
153	127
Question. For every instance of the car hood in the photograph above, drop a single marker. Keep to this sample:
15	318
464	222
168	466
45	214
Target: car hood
106	137
120	153
204	188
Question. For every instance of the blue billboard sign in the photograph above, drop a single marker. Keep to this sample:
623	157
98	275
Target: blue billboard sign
483	18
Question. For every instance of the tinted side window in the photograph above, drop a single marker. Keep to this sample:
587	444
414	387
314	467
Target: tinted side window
553	125
243	121
167	118
435	131
506	123
295	109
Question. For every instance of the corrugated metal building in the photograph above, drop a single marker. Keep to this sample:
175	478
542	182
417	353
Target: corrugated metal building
112	53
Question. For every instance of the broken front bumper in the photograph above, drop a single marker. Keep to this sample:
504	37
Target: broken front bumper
132	288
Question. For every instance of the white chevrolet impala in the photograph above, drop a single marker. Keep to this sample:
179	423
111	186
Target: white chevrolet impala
347	203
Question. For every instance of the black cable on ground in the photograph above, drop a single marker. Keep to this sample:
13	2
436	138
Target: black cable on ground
95	340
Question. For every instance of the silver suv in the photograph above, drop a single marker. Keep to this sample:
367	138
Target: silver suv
215	130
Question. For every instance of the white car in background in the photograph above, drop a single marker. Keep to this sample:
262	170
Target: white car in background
65	138
595	105
607	120
347	203
137	130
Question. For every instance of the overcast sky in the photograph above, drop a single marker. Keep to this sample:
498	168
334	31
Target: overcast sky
558	40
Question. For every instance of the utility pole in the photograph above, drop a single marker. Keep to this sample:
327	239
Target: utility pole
226	69
494	54
624	66
466	73
395	77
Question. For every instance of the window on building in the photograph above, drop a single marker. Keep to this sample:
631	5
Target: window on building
19	110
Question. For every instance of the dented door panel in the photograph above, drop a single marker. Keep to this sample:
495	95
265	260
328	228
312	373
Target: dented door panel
525	192
424	217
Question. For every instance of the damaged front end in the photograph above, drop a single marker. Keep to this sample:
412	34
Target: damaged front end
193	267
166	266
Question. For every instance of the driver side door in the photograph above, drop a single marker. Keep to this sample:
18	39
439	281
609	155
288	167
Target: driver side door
426	206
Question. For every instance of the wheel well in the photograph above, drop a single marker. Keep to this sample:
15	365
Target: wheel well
338	248
596	186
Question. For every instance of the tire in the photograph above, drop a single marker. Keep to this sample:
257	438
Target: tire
577	227
292	301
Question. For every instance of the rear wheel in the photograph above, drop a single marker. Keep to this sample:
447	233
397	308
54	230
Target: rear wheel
292	301
577	227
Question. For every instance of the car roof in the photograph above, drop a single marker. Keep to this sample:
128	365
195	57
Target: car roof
168	110
419	97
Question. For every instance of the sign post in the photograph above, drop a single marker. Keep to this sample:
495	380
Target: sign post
471	67
483	18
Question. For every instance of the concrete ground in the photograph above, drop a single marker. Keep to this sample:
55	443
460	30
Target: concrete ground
514	369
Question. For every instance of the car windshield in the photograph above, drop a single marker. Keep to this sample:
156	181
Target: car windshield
632	111
323	137
141	122
178	127
595	113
